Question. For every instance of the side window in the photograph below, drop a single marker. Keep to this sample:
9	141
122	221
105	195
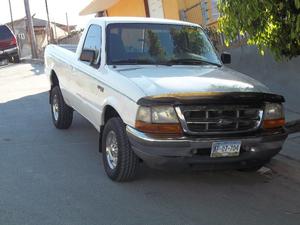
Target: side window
93	42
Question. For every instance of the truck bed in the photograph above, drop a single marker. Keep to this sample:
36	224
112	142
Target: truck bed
64	53
71	48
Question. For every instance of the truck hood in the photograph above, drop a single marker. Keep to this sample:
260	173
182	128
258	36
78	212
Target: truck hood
162	80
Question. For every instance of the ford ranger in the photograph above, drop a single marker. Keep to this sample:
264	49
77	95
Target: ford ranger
157	92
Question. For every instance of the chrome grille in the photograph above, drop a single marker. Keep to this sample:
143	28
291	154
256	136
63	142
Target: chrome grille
216	119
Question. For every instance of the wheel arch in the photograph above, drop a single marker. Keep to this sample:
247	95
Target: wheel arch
109	111
53	82
53	79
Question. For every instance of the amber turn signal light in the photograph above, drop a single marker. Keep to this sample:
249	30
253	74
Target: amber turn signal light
269	124
157	128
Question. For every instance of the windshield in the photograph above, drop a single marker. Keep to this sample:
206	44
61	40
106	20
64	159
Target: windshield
158	44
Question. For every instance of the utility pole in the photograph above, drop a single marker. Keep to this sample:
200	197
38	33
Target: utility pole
30	30
68	28
55	31
50	38
11	17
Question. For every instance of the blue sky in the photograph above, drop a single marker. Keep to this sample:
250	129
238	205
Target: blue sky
57	10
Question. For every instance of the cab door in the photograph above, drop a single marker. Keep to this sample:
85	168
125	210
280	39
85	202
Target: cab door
89	90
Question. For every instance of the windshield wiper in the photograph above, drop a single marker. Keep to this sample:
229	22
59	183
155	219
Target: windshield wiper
140	62
192	61
132	62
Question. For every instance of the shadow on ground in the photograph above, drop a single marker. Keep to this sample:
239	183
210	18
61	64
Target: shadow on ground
37	68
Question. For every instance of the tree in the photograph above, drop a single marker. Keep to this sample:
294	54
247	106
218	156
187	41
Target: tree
270	24
155	48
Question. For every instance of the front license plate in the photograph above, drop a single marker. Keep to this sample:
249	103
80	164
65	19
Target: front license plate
225	149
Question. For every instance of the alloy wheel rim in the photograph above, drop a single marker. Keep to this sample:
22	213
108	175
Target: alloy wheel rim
55	107
112	149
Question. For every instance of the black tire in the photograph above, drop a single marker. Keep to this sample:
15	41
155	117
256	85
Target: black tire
64	114
16	59
127	162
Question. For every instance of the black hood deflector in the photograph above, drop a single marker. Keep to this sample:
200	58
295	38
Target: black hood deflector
211	98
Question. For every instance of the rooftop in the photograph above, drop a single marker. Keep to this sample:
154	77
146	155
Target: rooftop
43	23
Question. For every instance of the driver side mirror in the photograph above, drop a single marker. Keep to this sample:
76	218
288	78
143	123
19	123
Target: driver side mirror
88	55
226	57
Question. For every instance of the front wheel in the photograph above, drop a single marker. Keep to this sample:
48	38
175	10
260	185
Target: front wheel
62	114
120	162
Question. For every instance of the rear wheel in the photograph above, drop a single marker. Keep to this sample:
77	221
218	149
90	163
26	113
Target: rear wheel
120	162
62	114
16	59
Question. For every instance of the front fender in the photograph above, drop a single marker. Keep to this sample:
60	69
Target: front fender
125	107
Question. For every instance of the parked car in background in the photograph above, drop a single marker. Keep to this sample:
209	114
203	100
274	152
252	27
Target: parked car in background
158	93
8	45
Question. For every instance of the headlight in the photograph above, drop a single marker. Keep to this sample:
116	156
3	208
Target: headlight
273	111
273	115
164	114
158	119
144	114
157	114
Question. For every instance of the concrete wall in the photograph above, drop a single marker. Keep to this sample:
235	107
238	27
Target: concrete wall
281	77
23	40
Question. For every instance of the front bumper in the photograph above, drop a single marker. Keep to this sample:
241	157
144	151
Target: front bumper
187	151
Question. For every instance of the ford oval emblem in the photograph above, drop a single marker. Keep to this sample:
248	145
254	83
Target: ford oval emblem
225	122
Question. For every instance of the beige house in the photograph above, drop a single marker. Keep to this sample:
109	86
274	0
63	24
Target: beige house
58	31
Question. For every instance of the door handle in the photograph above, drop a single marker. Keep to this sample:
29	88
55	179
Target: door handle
100	88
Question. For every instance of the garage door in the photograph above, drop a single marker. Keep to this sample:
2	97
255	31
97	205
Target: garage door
156	8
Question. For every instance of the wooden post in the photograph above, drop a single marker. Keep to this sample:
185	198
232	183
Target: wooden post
30	30
68	28
49	35
11	17
147	11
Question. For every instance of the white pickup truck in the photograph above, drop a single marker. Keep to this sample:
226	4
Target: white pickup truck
158	93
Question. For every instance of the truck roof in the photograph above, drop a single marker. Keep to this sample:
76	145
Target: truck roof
140	20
